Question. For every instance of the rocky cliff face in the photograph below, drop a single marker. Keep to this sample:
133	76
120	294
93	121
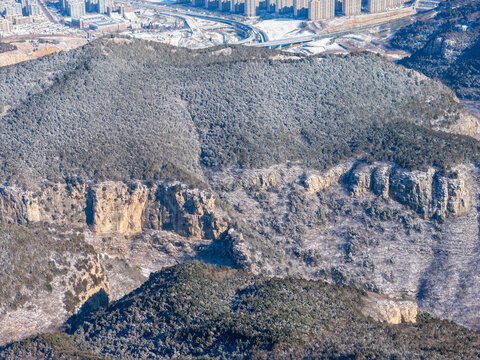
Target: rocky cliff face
72	274
116	208
138	228
373	226
188	212
388	310
429	193
317	181
62	204
449	45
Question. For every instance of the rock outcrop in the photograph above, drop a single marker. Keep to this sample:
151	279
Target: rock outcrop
188	212
54	203
80	276
316	181
429	193
381	308
116	207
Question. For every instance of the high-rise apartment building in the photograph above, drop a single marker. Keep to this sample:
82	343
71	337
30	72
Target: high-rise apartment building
211	4
390	4
23	3
283	6
224	5
376	6
270	4
33	8
11	9
251	7
237	6
91	5
300	8
76	8
5	25
321	9
352	7
103	5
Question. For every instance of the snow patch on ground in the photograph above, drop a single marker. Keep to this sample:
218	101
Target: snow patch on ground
163	2
319	46
282	28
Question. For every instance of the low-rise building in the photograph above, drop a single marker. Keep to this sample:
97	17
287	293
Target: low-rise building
100	23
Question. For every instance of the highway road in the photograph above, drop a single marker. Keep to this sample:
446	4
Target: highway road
257	37
253	34
308	38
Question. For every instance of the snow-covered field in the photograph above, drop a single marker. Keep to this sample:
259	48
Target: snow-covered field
282	28
163	2
319	46
197	33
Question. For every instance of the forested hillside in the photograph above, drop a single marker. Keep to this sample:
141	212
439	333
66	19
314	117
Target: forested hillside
446	46
196	311
133	110
123	157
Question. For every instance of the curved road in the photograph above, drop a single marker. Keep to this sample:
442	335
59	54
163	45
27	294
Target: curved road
308	38
254	34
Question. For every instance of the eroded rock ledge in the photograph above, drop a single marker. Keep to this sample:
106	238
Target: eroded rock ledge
429	193
392	311
116	207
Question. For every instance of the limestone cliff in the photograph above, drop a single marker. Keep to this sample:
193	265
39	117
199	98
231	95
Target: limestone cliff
317	181
53	203
116	207
372	226
429	193
188	212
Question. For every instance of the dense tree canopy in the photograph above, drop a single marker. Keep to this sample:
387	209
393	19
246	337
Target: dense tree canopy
119	109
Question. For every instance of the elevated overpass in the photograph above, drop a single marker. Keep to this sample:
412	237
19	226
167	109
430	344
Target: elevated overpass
279	43
254	33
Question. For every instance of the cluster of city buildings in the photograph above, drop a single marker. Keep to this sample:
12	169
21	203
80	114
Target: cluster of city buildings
311	9
18	12
79	8
113	18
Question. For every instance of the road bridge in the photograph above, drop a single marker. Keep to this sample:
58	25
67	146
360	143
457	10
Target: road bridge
308	38
252	34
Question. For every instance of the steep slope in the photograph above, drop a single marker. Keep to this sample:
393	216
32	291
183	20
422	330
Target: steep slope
408	235
158	155
133	110
446	46
197	311
46	276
